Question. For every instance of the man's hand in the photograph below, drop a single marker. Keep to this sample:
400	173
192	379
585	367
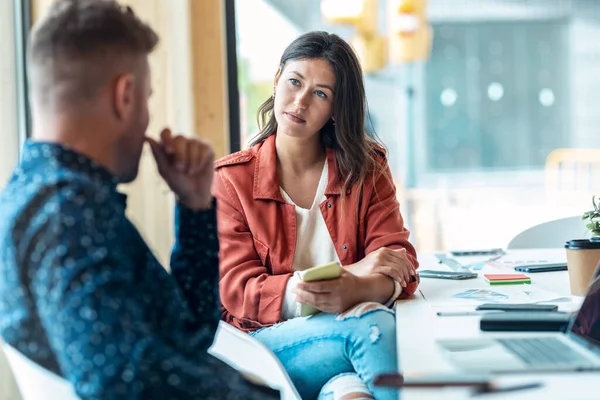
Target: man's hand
187	166
393	263
331	296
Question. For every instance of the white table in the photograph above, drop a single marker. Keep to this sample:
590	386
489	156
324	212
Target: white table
418	326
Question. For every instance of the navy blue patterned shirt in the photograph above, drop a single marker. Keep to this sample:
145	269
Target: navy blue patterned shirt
82	295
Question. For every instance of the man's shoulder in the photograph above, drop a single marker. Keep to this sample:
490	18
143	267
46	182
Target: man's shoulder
28	197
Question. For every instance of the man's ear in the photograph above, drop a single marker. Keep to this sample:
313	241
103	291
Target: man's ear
124	96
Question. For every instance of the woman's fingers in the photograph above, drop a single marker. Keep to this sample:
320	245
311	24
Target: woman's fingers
316	300
390	270
305	297
397	260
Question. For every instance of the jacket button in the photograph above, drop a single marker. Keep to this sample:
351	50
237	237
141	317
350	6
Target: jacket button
328	205
344	247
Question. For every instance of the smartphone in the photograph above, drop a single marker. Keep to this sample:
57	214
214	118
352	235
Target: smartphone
331	270
482	252
447	274
516	307
542	267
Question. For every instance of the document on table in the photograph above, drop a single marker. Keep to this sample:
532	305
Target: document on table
510	260
449	297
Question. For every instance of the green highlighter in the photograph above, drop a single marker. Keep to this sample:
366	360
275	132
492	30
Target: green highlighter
331	270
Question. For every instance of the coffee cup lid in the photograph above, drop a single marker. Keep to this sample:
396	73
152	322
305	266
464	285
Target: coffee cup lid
593	243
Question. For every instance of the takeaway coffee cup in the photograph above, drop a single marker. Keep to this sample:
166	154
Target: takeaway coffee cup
583	256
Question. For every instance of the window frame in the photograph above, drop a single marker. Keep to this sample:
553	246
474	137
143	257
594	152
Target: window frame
22	21
232	78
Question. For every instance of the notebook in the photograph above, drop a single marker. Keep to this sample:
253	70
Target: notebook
506	279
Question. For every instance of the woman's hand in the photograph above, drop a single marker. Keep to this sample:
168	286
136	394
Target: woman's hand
332	296
393	263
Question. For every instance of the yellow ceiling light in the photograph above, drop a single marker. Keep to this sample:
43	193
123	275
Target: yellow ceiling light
410	35
407	7
371	51
362	14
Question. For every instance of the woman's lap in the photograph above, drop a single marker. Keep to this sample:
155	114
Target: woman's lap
314	349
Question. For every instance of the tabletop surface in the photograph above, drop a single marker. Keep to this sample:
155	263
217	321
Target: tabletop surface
418	326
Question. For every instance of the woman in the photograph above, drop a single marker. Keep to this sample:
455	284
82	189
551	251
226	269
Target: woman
314	188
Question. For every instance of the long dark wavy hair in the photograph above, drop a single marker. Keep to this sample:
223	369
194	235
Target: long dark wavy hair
355	151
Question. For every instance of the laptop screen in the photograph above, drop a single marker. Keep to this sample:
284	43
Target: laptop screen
587	322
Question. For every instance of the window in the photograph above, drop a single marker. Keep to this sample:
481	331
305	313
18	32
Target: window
9	136
468	131
496	95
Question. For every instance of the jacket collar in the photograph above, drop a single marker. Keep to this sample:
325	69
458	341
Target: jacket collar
266	182
333	185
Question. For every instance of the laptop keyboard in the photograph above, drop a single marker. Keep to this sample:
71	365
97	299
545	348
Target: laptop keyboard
544	351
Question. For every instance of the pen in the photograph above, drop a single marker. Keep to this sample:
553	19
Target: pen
504	389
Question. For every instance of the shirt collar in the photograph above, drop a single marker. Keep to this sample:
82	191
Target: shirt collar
40	154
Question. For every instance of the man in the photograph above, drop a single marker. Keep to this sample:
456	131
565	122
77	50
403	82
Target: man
81	294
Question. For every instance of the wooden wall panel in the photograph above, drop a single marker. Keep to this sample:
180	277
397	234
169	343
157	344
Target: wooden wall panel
209	72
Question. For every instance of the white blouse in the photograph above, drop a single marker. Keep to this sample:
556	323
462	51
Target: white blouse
314	246
313	243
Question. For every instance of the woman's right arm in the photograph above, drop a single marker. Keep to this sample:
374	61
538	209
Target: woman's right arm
248	289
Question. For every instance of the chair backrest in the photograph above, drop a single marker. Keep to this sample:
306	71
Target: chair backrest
35	382
572	175
8	386
550	234
246	354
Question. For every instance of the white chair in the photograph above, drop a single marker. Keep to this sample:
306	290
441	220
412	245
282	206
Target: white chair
247	355
35	382
232	346
550	234
8	386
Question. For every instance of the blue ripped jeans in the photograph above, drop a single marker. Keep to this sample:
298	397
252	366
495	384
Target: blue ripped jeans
317	348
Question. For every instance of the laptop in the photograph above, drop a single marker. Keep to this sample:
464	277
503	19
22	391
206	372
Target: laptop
576	349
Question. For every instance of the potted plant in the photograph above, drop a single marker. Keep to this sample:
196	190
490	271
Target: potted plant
594	217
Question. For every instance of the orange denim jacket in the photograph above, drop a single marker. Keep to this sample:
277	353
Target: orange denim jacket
257	231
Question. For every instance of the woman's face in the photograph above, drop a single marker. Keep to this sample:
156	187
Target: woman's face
304	97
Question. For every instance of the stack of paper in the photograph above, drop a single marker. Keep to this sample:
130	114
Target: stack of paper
506	279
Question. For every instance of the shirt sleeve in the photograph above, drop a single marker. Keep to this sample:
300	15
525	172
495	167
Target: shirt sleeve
290	308
397	292
103	326
248	289
195	262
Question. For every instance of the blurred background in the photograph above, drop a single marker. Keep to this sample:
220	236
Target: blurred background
488	108
470	98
